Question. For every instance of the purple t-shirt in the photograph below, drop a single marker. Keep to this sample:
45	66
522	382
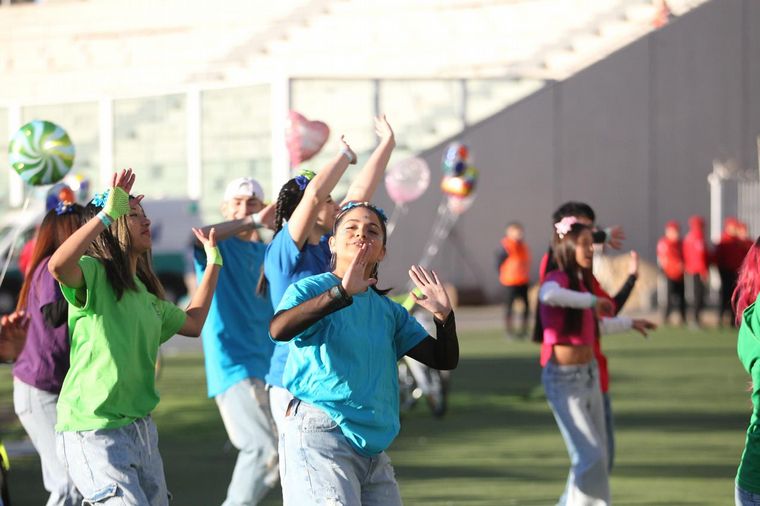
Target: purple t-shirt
45	359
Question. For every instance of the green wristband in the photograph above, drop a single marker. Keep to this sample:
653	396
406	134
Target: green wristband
213	255
593	300
117	204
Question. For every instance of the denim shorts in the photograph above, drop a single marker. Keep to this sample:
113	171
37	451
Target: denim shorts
116	466
318	465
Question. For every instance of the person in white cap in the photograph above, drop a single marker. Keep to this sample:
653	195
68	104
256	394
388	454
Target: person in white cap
236	343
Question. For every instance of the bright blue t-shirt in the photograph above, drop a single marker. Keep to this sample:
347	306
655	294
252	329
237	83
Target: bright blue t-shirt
345	364
236	342
285	264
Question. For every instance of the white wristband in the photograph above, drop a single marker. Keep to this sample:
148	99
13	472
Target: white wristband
256	220
347	154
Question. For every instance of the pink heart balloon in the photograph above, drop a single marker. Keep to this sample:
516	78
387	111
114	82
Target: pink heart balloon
304	138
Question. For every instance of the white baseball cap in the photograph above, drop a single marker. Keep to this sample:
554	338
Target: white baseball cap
243	187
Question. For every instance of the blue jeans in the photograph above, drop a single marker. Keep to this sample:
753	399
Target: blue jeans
609	424
245	412
320	467
745	498
574	395
113	467
35	409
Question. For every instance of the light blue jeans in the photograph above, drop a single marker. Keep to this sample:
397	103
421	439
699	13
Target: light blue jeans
116	466
609	424
320	467
575	398
745	498
35	409
245	412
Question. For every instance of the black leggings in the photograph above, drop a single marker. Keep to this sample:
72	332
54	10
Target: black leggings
511	294
676	295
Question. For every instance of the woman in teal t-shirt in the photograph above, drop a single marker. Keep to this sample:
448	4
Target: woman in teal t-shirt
345	338
745	302
117	319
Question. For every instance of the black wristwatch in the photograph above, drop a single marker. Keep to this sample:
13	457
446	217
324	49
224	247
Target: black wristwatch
337	292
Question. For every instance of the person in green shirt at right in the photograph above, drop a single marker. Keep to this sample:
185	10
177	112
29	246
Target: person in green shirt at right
118	317
745	302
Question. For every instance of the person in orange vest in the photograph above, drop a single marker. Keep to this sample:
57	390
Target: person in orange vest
514	274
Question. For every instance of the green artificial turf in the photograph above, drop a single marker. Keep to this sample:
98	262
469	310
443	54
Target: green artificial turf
679	399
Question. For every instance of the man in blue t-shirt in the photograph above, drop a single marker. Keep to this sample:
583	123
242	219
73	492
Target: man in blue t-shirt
236	343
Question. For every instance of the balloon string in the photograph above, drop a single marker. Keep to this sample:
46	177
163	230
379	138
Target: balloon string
398	212
444	223
12	248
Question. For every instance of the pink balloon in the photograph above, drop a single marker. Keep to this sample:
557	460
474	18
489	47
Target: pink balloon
406	180
304	138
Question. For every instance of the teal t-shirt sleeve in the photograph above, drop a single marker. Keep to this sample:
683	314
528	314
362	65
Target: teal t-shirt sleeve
409	332
82	297
172	319
297	293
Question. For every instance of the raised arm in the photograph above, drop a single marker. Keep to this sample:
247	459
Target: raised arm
64	263
365	183
197	309
317	192
226	229
443	352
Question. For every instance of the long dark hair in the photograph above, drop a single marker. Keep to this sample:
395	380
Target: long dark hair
54	230
562	257
288	199
564	254
111	247
380	217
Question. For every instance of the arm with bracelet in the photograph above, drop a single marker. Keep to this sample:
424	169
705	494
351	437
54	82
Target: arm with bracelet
64	263
197	309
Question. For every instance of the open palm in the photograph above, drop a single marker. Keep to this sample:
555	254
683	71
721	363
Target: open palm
434	297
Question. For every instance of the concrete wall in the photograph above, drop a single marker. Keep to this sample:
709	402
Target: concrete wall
634	135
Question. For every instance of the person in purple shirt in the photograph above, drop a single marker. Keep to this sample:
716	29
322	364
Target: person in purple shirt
42	364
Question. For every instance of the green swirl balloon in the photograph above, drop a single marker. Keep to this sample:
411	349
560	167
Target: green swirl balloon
41	153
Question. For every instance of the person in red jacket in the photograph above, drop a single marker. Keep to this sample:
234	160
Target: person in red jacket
696	262
514	274
670	260
729	255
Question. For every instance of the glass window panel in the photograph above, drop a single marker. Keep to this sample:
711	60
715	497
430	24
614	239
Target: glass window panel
150	136
422	112
347	107
80	120
236	138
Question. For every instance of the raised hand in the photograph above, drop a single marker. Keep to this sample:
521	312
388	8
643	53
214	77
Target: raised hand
383	128
633	264
641	326
124	180
13	335
434	297
354	280
209	240
615	237
603	307
345	148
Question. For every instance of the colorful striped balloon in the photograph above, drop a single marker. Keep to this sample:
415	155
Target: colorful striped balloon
41	153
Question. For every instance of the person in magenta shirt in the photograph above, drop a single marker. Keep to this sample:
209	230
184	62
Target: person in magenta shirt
42	365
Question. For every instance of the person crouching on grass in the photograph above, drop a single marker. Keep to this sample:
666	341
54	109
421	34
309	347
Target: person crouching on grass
118	317
345	338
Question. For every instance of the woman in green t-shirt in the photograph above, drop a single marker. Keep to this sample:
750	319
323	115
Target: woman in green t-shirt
117	319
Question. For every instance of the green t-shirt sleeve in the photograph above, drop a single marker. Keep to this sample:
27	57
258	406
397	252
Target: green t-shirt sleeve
173	319
82	297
